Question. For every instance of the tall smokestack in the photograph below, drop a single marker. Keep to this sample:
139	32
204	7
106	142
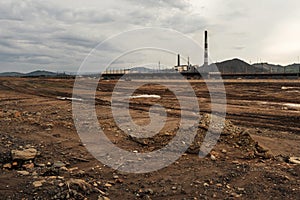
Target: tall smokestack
178	60
205	49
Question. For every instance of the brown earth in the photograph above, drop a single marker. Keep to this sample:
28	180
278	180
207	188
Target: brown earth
250	161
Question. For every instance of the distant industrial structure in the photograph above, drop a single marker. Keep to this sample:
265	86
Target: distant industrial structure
185	68
194	68
205	49
235	69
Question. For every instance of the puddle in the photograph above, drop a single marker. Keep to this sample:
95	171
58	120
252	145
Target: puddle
145	96
70	99
292	105
289	88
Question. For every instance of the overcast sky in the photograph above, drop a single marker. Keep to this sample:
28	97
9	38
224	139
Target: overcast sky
57	35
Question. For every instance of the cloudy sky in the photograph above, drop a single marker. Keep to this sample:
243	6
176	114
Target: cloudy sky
57	35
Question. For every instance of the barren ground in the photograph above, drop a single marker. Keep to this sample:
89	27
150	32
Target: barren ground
32	116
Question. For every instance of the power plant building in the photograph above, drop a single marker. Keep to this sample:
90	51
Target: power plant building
193	68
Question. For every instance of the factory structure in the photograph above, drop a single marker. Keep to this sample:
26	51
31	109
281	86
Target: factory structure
205	70
193	68
185	67
180	67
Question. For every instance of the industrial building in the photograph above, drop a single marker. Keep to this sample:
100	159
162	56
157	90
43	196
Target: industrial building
190	71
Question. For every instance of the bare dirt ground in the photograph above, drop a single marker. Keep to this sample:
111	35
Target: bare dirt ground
250	161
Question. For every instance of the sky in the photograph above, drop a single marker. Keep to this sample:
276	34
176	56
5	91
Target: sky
58	35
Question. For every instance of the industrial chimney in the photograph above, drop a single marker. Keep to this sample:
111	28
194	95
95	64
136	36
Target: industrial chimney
178	60
205	49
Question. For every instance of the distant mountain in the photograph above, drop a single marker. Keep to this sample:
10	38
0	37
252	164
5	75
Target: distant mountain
234	65
293	68
11	74
269	67
32	74
41	73
240	66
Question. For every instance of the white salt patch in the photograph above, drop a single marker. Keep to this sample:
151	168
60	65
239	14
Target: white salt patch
145	96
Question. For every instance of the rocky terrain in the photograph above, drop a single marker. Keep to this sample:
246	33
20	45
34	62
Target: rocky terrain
256	157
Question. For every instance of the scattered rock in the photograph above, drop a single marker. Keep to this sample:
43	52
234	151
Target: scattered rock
26	154
260	148
23	173
73	169
108	185
28	166
80	173
235	162
63	169
38	183
150	191
119	180
103	198
212	157
14	164
17	114
61	184
7	166
115	176
34	174
41	165
295	160
58	164
49	125
82	184
233	194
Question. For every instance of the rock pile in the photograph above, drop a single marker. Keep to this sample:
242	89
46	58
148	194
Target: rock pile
231	135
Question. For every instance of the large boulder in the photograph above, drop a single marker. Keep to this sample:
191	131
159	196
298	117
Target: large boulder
26	154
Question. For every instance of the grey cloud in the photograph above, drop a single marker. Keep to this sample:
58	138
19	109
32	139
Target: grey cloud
58	35
61	33
185	23
232	14
181	19
26	58
75	41
29	10
239	47
85	16
5	43
180	4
